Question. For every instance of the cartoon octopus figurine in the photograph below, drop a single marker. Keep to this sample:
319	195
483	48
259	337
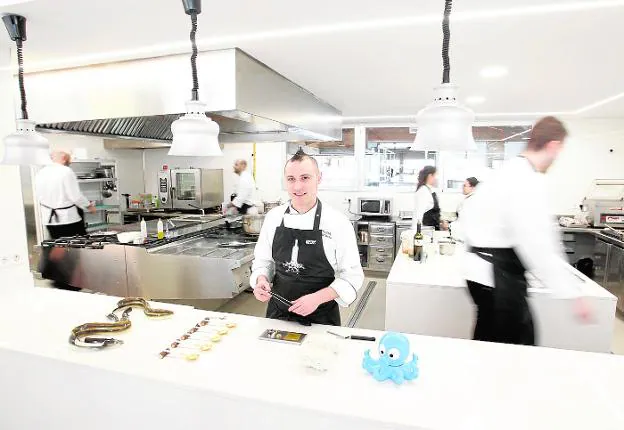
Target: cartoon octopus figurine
393	360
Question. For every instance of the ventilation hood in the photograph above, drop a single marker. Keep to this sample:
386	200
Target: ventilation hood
133	103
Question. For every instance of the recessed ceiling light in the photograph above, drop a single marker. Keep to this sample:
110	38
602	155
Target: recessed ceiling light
494	72
475	100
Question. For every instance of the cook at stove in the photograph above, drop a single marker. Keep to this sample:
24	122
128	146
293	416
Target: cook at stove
306	253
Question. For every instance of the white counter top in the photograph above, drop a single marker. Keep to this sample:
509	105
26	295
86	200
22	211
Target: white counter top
446	271
48	383
432	299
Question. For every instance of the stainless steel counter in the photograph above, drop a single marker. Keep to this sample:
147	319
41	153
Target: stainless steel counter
192	265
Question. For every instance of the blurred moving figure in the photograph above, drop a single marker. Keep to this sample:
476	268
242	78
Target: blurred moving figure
509	231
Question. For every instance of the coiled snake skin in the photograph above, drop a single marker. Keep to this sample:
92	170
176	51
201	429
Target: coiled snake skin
82	335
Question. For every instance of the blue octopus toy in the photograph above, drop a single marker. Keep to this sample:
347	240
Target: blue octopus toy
393	360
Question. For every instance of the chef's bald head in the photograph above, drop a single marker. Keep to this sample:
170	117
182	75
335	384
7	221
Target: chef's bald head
300	157
61	157
239	166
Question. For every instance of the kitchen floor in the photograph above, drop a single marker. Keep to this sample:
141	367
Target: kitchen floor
372	317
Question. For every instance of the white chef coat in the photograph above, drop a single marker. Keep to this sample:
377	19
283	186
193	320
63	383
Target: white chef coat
57	187
339	243
461	204
511	211
423	203
244	190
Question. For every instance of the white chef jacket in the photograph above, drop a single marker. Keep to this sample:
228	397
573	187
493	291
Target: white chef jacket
423	203
512	211
57	187
244	190
339	243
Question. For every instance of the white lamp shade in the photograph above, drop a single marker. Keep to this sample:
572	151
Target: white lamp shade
194	134
26	146
444	125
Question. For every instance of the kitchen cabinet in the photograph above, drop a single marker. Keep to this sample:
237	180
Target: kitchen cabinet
376	244
601	257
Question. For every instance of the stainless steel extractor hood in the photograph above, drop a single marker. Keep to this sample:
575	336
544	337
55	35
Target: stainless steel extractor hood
138	100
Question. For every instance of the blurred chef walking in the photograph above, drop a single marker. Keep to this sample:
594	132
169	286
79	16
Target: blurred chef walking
509	231
242	198
427	206
309	252
62	204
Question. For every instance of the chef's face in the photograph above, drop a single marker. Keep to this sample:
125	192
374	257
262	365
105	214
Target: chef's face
238	167
432	180
302	180
467	188
551	152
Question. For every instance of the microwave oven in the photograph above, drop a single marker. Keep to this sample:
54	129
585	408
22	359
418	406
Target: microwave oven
374	207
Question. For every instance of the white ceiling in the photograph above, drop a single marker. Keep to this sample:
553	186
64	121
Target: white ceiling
367	58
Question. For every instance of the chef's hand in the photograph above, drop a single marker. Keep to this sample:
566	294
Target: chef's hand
582	310
305	305
91	208
262	289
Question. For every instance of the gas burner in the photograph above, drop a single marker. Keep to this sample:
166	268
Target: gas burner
87	241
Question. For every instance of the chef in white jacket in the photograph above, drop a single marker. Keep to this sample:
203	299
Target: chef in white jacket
242	199
509	231
60	199
62	208
307	253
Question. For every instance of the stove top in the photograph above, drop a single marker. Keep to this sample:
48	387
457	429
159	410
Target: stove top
222	232
96	241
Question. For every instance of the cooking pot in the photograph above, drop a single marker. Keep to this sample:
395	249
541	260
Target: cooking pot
252	223
268	205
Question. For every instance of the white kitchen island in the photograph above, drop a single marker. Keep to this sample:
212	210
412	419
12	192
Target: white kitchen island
247	383
432	299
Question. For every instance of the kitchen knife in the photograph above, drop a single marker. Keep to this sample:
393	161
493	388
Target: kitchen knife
354	336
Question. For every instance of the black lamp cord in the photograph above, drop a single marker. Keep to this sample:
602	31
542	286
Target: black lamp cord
195	90
446	75
20	76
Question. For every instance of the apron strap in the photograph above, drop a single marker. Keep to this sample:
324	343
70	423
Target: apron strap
53	213
317	215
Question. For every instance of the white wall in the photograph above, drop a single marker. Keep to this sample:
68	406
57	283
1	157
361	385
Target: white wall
586	156
13	248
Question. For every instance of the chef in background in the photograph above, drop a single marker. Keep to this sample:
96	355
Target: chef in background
427	206
242	198
470	184
509	231
61	202
307	253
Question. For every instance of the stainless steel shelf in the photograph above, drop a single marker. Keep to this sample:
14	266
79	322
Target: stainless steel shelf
95	180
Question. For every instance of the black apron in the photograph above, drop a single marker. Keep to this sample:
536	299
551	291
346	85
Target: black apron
244	207
306	272
510	320
54	215
431	218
